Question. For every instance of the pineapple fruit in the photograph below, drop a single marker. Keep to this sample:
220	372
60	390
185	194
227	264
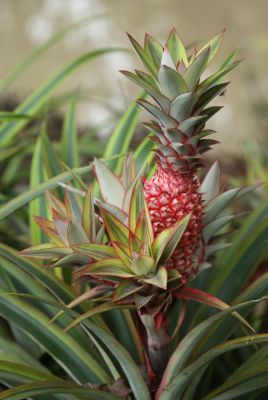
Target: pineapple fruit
179	111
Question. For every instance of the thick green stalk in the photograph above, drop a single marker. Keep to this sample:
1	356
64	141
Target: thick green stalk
157	345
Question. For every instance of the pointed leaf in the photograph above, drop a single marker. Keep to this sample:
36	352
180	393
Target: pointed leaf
208	299
180	382
137	80
219	203
69	145
55	204
154	48
165	119
181	107
214	248
195	69
215	226
129	192
50	230
49	155
116	229
37	207
96	251
143	265
144	153
167	59
113	210
144	56
180	356
210	186
111	188
88	215
125	289
26	197
137	204
148	79
51	387
176	48
213	45
214	78
235	267
97	310
71	260
61	229
128	366
123	252
66	351
171	82
76	233
109	267
189	125
73	205
159	279
209	95
46	251
160	99
166	241
135	245
229	60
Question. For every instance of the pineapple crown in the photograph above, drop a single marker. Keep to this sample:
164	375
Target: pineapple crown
180	111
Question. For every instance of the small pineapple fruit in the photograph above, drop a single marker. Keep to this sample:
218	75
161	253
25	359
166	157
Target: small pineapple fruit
179	116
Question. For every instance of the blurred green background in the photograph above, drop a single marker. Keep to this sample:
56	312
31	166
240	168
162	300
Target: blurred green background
26	24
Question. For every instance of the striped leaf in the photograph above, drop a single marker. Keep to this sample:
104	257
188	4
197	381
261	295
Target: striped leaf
69	146
50	388
28	196
36	100
18	70
61	346
37	207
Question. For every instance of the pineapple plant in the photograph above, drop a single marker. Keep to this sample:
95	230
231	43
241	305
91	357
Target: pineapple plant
153	235
114	316
179	112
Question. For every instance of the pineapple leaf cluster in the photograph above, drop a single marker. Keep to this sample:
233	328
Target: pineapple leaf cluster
110	242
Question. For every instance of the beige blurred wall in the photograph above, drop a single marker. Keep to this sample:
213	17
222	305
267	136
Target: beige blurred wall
25	24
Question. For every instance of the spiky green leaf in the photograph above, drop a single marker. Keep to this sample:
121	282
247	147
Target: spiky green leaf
167	240
111	188
195	69
171	82
210	187
176	48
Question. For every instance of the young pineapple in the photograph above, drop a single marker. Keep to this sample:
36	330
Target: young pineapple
179	118
141	242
